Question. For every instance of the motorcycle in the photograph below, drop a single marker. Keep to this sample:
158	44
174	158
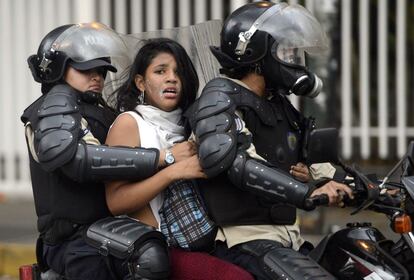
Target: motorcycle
361	251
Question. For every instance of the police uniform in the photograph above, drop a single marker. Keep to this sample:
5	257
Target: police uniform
253	197
65	132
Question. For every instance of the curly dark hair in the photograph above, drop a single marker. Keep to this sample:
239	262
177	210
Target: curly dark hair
126	97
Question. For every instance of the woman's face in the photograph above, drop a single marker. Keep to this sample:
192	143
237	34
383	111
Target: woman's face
161	83
89	80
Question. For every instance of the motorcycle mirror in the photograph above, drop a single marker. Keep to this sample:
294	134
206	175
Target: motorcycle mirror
322	146
409	168
408	183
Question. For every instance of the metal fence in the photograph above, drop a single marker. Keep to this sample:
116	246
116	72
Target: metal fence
23	23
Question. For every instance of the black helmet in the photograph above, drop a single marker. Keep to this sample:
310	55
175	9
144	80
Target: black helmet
84	46
237	23
272	36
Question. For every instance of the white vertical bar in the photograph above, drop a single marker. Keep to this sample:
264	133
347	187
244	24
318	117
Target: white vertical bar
84	10
34	37
105	12
310	5
120	16
200	11
401	77
346	109
364	77
168	14
6	104
235	4
216	9
136	19
63	16
48	16
21	91
292	2
382	78
152	15
185	12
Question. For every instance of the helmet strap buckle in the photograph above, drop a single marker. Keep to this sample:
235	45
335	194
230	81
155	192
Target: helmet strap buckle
44	64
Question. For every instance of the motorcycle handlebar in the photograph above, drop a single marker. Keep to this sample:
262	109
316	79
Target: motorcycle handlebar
317	200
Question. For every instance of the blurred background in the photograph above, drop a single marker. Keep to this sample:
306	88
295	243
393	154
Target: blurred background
368	79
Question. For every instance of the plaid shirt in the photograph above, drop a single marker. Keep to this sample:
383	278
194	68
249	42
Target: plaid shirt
183	217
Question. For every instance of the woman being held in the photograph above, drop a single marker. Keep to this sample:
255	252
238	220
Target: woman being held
162	83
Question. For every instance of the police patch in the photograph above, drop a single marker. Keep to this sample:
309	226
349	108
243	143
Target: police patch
292	140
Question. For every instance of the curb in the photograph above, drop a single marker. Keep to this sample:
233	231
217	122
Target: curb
13	255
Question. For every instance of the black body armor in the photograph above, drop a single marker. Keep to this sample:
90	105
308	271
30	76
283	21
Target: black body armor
277	130
68	173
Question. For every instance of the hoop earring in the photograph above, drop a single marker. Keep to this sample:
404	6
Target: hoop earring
141	97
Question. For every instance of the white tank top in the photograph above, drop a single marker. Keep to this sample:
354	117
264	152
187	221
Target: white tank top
149	139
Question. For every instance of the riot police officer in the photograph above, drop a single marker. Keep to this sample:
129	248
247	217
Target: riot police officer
246	126
65	129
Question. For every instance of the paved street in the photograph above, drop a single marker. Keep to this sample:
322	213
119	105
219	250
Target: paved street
17	221
18	231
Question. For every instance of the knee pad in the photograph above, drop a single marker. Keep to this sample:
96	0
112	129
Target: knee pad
150	261
141	246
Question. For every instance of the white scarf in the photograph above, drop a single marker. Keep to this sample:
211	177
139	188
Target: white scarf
165	123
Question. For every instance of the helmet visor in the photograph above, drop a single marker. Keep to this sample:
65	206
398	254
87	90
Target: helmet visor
294	56
295	31
89	41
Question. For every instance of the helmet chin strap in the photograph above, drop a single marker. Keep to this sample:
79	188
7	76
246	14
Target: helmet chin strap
90	97
245	36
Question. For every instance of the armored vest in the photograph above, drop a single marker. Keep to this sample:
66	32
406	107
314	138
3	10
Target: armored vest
57	197
276	128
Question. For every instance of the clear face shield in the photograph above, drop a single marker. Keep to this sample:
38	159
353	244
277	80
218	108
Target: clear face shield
296	32
294	56
87	41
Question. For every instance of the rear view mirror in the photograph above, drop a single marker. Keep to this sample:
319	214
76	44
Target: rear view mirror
408	167
322	146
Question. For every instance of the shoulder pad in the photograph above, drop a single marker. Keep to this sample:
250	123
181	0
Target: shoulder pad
61	99
214	99
57	131
241	97
31	110
222	85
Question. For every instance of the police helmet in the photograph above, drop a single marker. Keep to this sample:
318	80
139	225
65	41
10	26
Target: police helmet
83	46
266	34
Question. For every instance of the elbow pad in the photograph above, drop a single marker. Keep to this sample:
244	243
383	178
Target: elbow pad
103	163
262	180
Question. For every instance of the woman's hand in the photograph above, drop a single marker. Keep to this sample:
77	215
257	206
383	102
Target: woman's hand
183	150
301	172
335	192
188	168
